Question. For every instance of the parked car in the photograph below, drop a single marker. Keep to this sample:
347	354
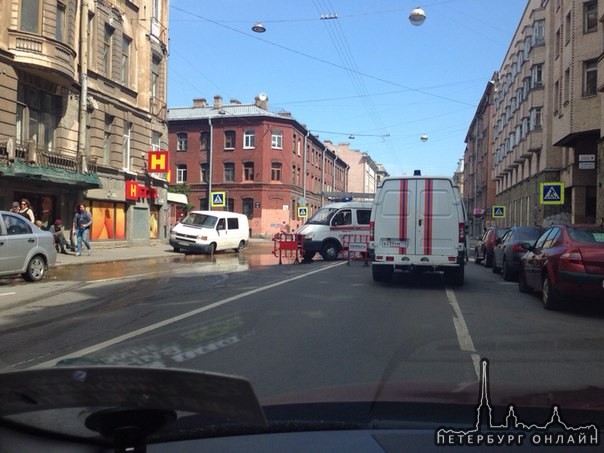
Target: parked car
24	248
485	247
511	247
566	261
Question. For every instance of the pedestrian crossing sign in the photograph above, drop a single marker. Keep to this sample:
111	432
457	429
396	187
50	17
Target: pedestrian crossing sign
551	193
302	211
218	199
498	212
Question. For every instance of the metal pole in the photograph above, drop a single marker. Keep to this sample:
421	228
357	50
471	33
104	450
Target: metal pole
210	164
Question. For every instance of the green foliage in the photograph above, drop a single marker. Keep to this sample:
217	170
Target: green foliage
180	188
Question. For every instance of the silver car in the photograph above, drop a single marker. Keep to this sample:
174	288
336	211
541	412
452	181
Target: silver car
24	248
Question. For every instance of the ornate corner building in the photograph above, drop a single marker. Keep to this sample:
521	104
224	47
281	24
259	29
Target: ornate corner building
82	102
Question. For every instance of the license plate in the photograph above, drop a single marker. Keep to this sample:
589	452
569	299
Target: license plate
395	243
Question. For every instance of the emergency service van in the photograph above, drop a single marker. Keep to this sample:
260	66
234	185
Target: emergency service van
418	223
209	231
324	232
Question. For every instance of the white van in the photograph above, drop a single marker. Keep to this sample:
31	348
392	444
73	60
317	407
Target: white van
324	230
418	223
209	231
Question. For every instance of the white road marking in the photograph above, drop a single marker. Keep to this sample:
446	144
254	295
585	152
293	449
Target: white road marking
166	322
7	294
463	334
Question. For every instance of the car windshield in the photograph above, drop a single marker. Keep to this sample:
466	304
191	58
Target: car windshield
279	215
199	220
322	216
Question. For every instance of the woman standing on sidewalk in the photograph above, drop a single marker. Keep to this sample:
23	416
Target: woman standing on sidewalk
81	224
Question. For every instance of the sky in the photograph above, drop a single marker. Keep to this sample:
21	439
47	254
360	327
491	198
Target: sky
350	71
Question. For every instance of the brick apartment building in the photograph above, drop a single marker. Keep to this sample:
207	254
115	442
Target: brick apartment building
266	164
547	115
82	101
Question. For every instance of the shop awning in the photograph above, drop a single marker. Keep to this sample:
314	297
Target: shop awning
180	198
22	170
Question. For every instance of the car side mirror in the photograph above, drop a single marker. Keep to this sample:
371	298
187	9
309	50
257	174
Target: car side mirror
527	246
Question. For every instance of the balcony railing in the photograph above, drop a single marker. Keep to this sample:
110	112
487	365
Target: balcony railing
11	151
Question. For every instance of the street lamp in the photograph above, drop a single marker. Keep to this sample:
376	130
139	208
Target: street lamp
258	27
417	16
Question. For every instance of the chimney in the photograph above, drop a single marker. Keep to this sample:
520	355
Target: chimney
284	114
199	102
261	101
217	102
235	101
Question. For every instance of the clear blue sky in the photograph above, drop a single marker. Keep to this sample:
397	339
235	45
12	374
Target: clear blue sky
369	73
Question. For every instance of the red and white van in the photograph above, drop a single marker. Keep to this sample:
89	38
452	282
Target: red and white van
418	224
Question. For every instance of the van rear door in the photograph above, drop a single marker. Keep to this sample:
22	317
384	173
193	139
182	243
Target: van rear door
418	217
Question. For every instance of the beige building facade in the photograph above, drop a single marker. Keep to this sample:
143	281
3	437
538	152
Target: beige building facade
547	116
82	102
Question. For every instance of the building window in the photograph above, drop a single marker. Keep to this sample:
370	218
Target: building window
126	144
590	77
107	140
181	141
155	63
60	30
248	171
567	85
277	140
539	32
229	172
204	140
567	27
155	141
248	207
204	171
203	204
229	139
29	20
107	43
590	16
276	171
537	76
91	42
37	114
126	60
249	139
181	173
535	119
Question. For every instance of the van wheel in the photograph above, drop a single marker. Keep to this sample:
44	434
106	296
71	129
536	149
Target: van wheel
240	247
382	273
455	276
330	251
211	248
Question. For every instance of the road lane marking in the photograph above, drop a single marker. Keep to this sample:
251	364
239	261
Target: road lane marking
166	322
7	294
463	334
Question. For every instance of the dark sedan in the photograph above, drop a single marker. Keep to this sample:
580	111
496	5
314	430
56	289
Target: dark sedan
485	248
566	261
511	247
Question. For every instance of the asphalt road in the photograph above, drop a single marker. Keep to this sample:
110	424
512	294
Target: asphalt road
312	327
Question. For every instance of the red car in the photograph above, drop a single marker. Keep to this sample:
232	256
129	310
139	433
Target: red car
486	246
567	261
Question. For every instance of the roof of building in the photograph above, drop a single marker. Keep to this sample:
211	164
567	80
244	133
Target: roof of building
234	110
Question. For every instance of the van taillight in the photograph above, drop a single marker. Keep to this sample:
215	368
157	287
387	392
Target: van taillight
462	232
371	230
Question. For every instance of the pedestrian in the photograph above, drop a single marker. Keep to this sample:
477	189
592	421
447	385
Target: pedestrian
57	231
81	224
14	207
26	211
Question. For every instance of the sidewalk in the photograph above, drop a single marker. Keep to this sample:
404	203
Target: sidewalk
103	252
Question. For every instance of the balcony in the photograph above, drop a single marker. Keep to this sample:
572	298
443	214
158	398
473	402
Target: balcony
26	160
43	54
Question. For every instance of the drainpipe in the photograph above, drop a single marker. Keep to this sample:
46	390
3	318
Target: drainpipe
210	164
82	149
304	165
323	177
